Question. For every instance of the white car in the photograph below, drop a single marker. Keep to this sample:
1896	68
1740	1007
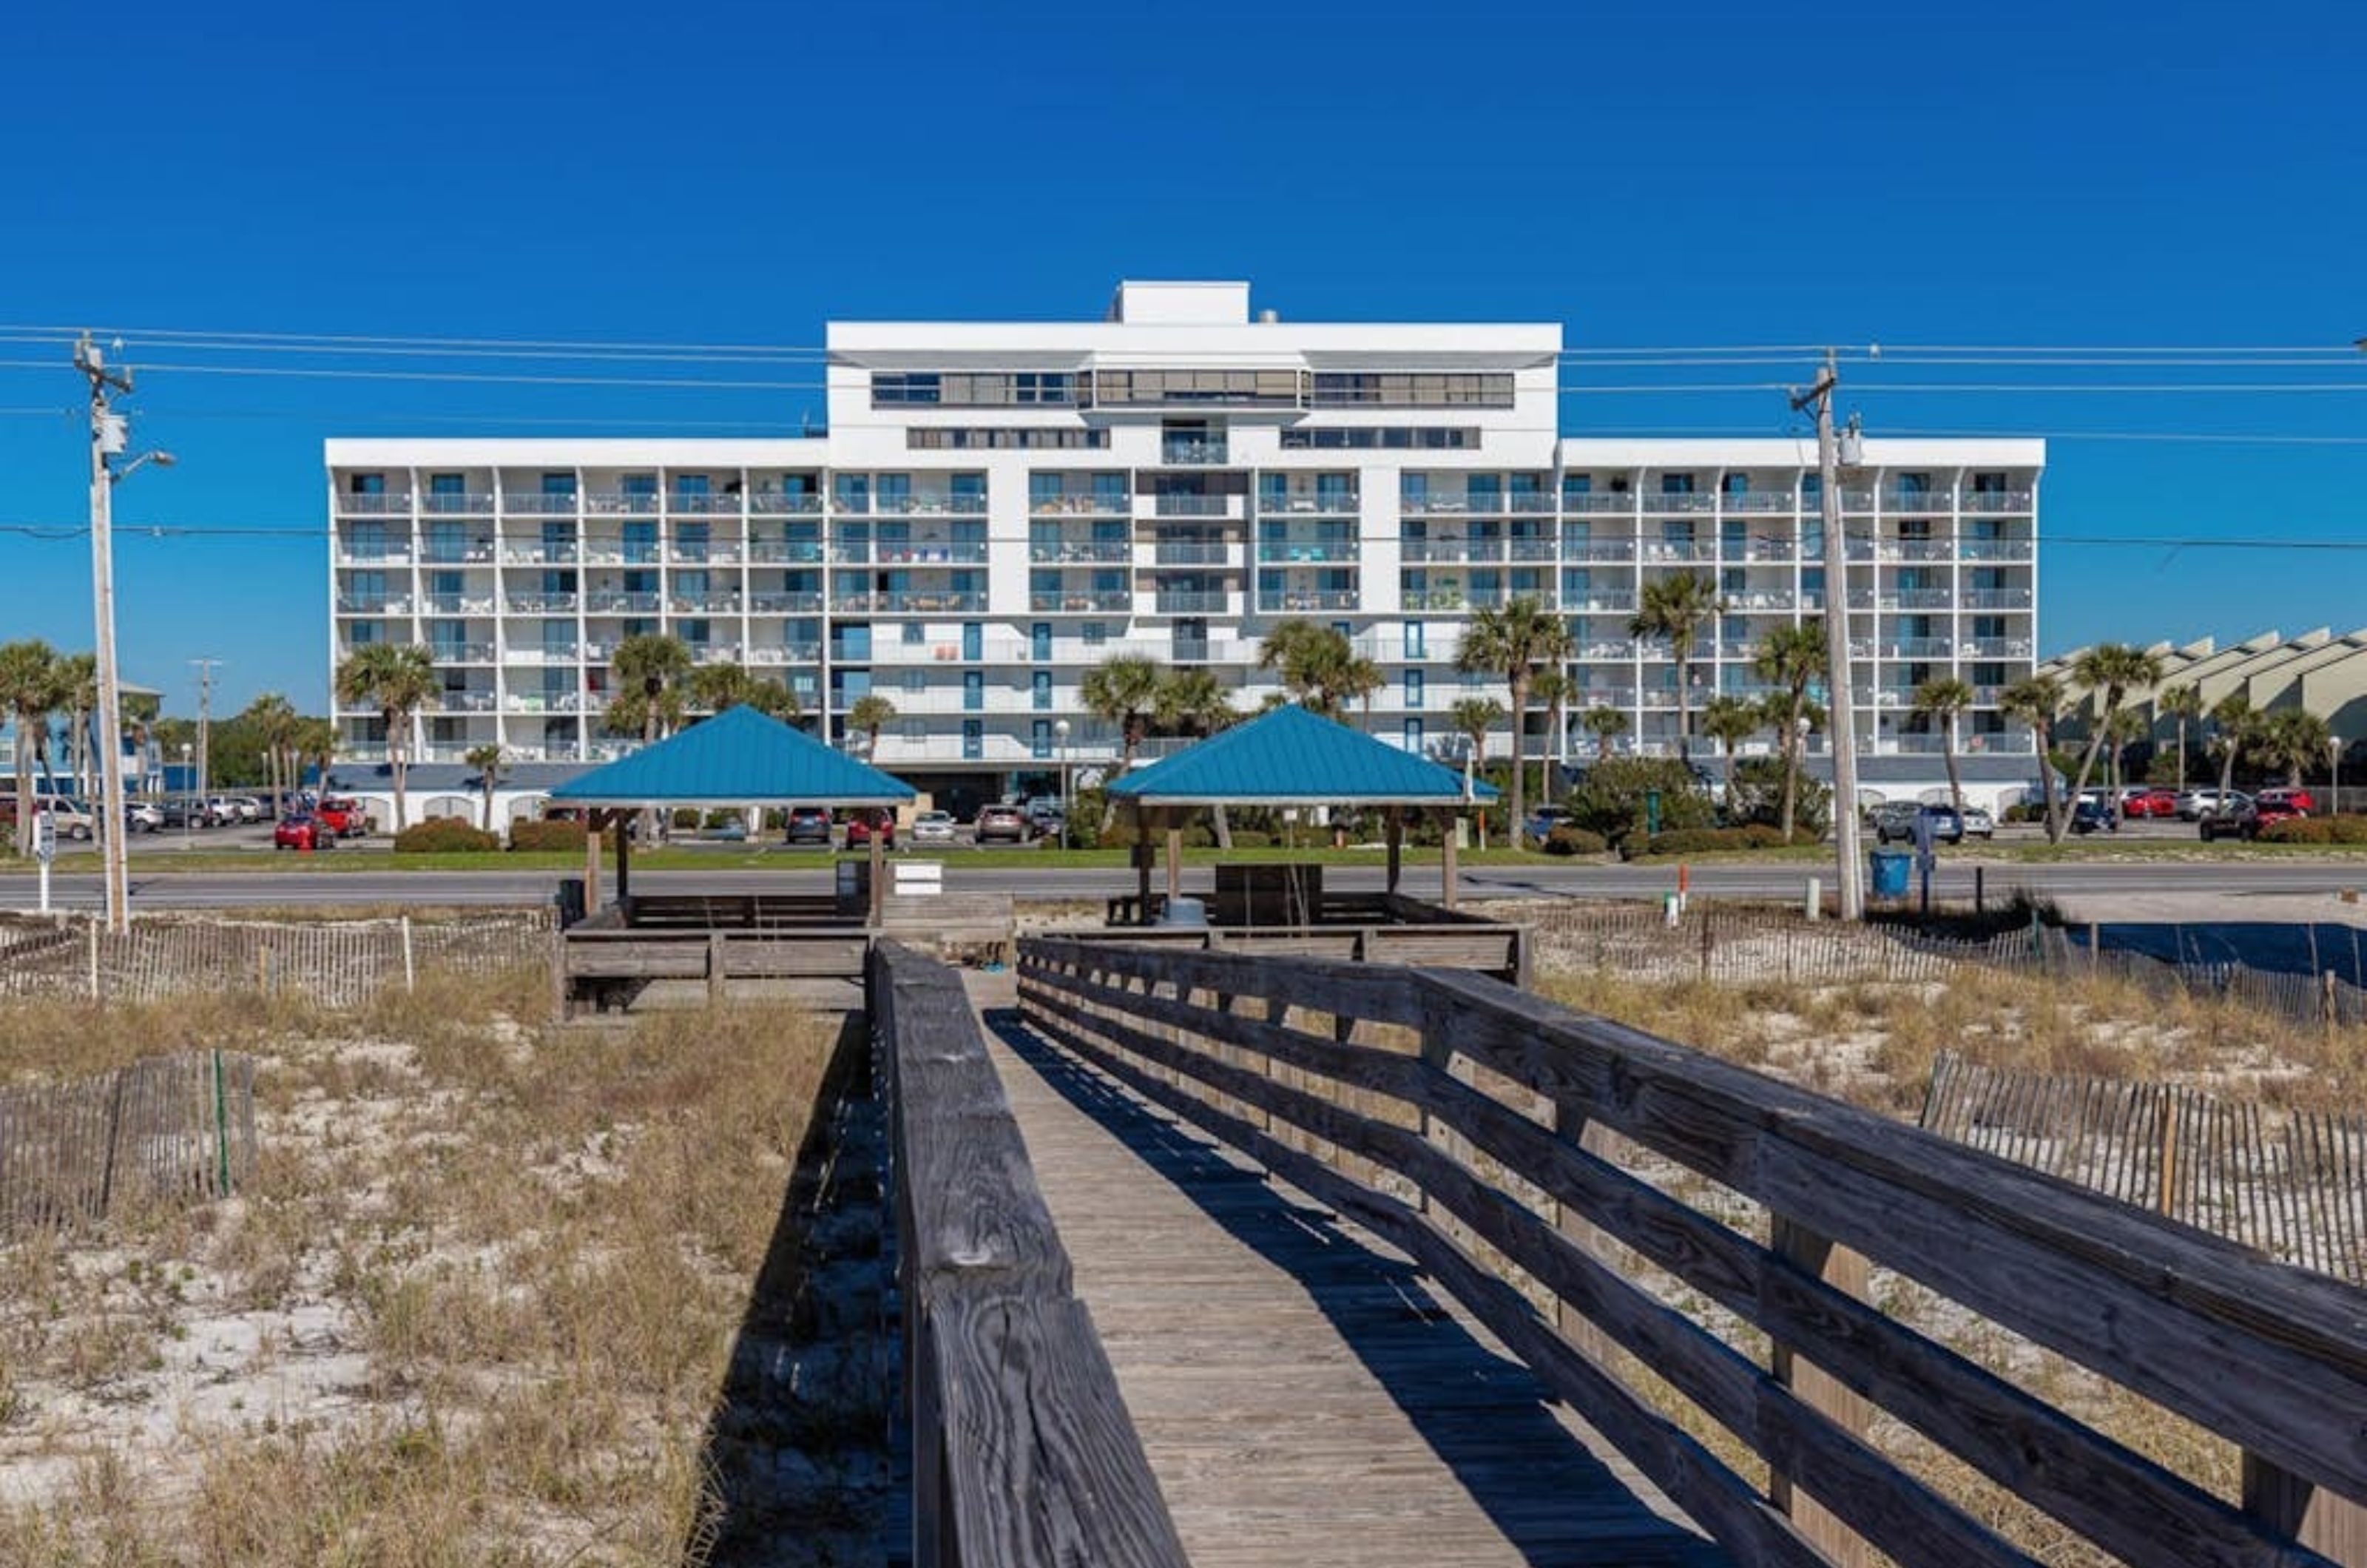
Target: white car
933	827
1978	823
2197	804
144	816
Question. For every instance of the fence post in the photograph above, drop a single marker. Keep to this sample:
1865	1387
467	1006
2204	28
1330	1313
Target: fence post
2310	1514
2167	1137
715	969
1707	942
1846	1271
94	960
2095	950
410	974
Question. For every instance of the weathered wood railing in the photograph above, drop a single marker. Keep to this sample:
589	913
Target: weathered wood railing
1488	949
1022	1451
1467	1124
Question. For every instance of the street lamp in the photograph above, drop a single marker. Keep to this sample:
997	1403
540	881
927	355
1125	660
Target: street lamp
188	808
2334	775
1061	734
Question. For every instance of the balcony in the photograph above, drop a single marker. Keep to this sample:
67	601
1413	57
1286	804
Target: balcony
476	552
1195	505
373	605
1997	648
912	603
1309	503
1102	602
1183	601
716	554
456	603
534	503
1193	552
1477	504
1769	550
1317	552
621	552
461	652
1662	552
354	504
1179	451
1662	697
1918	549
1114	504
622	503
1080	552
539	555
611	601
1434	599
1917	503
373	555
775	552
1994	502
1757	503
1916	599
1598	549
1581	504
783	503
1602	697
466	702
786	653
1468	548
1918	648
931	505
547	653
695	503
1996	550
1683	504
1599	600
705	603
715	653
460	504
1605	647
544	702
931	552
786	603
1762	599
542	603
1996	599
1299	601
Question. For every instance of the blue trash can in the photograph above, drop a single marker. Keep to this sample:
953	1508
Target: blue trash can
1890	870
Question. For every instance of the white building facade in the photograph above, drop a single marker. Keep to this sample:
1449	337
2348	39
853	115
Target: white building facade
996	508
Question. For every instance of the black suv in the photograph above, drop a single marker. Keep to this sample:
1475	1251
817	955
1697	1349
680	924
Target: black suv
809	825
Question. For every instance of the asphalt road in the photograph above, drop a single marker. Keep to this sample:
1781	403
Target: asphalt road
158	888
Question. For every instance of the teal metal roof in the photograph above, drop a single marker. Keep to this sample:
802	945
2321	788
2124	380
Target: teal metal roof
739	756
1296	755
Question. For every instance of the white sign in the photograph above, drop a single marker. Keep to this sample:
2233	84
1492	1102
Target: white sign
45	837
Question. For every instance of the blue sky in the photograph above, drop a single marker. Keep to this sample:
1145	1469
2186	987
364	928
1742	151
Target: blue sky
741	173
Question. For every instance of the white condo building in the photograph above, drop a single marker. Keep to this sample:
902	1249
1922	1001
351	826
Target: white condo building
997	507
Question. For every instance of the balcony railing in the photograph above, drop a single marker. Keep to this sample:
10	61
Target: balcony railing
373	605
1598	549
1757	503
622	503
1622	647
1997	648
539	555
1192	505
382	504
541	604
1684	502
717	553
715	653
1181	454
781	504
461	652
931	552
1191	603
616	552
1285	552
1918	549
705	603
456	603
1769	550
1451	549
1193	552
465	702
1082	552
1996	599
1761	598
1663	552
611	601
1917	503
779	551
535	504
373	555
1309	503
928	505
702	502
786	653
1058	603
1295	601
1113	505
1996	550
544	702
1598	599
1527	548
1918	648
1991	502
1916	599
476	552
1598	502
786	603
546	653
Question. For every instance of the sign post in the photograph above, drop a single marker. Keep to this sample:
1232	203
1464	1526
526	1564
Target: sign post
45	850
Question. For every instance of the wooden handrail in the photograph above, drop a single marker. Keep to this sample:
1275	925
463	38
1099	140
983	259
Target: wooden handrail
2271	1358
1023	1450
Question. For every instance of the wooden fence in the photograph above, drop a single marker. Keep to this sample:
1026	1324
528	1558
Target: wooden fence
1740	944
167	1130
1488	1132
336	963
1022	1451
2291	1184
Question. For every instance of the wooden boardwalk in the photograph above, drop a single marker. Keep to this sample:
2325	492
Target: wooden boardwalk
1304	1394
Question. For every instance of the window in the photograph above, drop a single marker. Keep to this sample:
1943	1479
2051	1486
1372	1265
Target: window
978	437
968	389
1401	437
1039	740
1414	688
1094	633
916	682
1391	388
448	484
1676	484
973	691
1260	389
559	484
1039	641
1413	736
973	740
973	639
366	484
1040	690
1414	639
915	633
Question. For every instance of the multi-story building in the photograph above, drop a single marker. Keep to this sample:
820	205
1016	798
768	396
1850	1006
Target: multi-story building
998	507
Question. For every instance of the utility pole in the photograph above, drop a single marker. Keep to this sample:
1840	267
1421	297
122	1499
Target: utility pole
205	726
1842	725
109	434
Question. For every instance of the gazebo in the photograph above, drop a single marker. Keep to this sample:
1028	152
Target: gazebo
738	758
1294	757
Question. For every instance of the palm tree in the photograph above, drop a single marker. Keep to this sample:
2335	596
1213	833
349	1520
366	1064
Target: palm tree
1940	699
871	714
2035	703
1319	666
649	670
1552	689
397	678
1793	658
2114	669
1511	642
314	742
29	694
1606	723
2292	739
1123	690
715	687
2232	722
488	760
78	696
273	720
2183	704
1731	720
1676	608
1473	718
2127	725
1193	702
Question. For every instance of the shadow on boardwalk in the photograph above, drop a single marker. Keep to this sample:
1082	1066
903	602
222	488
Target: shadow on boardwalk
1485	1415
798	1444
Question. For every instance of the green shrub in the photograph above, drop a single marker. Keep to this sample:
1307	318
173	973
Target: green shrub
1707	840
1759	798
2346	829
546	836
684	817
1569	840
443	835
1611	800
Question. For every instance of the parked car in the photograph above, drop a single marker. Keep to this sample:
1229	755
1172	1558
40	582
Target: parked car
1896	819
808	825
1002	824
250	808
186	812
2195	804
303	833
2246	822
861	824
2150	802
2301	800
343	816
2090	814
1545	819
932	827
1978	823
72	818
142	816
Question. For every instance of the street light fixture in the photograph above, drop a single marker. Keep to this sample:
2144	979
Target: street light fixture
2333	775
1061	734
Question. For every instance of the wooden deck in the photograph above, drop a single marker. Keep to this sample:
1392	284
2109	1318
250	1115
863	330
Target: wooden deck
1303	1393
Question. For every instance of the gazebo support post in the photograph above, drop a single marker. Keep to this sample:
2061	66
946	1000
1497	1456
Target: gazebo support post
879	875
1395	818
1174	855
1142	863
1447	876
624	858
591	816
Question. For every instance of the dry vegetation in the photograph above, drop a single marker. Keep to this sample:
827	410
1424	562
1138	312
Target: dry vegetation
475	1307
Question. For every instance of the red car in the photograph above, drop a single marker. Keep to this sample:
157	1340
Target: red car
343	818
303	833
2299	800
2161	803
860	824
